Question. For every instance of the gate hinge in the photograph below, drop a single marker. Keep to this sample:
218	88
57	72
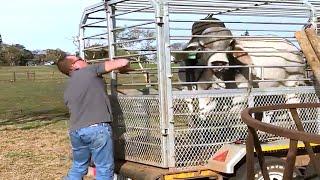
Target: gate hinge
164	132
159	20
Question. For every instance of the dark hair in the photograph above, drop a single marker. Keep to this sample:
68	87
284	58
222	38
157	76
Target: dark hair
64	65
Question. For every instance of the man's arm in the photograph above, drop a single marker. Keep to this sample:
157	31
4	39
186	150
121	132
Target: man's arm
116	64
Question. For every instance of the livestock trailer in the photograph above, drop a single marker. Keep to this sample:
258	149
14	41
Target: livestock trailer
162	129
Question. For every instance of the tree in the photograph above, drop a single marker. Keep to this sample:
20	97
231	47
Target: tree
137	41
246	33
132	44
96	51
14	55
53	54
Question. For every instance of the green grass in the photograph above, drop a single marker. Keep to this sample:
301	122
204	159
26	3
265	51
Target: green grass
33	124
31	96
41	97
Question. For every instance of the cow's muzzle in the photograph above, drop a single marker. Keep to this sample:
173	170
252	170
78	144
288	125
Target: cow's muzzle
222	66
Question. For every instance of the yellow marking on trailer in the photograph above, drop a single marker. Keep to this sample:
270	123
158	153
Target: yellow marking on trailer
281	145
191	175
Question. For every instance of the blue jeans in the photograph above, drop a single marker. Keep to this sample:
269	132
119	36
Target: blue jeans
94	141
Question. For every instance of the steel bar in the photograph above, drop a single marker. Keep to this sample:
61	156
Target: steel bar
140	50
97	38
96	35
250	154
293	135
242	22
213	82
272	129
112	2
96	22
95	47
238	29
214	51
135	40
313	159
96	18
234	66
259	153
239	37
287	15
134	19
261	13
132	11
134	55
96	26
138	84
291	159
95	8
237	8
128	27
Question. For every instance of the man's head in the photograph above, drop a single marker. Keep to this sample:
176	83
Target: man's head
68	63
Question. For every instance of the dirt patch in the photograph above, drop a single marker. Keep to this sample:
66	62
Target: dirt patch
35	153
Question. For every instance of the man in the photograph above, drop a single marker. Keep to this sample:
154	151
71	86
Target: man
90	115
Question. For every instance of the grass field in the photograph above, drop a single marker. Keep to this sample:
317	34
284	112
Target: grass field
33	126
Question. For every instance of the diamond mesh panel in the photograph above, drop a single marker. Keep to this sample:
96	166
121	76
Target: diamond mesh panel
198	136
139	130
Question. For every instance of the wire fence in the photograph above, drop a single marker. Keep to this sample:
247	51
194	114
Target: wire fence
34	75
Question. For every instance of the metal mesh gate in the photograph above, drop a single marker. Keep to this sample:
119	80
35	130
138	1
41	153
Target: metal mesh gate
139	129
198	136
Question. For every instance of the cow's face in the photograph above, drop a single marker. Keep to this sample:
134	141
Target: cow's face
220	60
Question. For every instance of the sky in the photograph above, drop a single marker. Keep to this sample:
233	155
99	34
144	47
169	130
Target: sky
42	24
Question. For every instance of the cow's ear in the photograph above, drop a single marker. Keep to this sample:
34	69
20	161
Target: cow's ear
191	46
239	53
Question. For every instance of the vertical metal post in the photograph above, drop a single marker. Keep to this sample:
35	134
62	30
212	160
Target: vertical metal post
165	86
291	159
250	155
313	16
81	42
111	39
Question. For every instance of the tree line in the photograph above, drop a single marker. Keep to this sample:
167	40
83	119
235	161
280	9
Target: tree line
136	41
18	55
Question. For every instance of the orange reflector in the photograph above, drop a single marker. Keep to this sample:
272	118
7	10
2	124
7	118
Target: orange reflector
221	156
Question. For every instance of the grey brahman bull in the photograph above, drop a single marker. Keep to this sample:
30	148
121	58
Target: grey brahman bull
265	59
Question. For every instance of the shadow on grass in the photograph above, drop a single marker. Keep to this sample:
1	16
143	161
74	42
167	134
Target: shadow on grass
33	119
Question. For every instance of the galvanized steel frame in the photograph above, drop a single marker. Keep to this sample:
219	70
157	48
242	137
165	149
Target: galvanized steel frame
162	9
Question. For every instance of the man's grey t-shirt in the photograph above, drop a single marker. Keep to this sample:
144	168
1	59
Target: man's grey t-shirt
86	98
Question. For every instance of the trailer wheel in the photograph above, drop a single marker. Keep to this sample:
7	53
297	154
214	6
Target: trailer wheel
275	168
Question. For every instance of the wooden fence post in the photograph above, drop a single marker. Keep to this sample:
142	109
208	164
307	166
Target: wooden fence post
14	76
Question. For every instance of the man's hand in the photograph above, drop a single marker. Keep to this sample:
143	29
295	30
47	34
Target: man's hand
125	69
